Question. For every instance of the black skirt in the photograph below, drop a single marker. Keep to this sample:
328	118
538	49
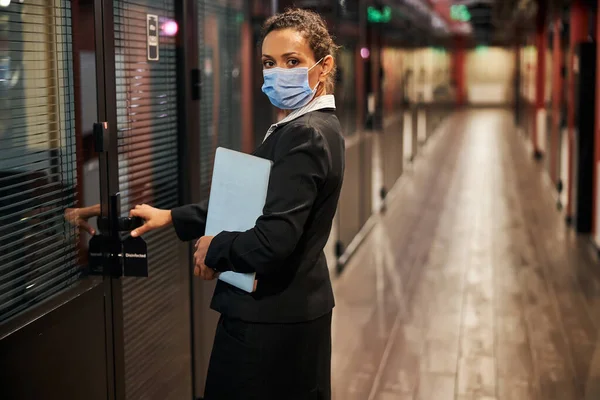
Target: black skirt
270	361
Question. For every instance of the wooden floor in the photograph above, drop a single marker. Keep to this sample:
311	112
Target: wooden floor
471	286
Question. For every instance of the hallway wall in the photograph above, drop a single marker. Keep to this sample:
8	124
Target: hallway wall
489	76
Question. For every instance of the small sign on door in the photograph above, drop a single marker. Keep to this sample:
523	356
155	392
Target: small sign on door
152	36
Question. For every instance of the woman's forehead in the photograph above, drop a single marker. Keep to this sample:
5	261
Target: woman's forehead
285	41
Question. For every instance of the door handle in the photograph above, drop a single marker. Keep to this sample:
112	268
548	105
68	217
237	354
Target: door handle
111	255
124	224
112	252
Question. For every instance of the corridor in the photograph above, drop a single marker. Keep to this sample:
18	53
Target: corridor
471	286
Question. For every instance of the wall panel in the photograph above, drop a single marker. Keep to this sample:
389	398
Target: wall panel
349	208
220	30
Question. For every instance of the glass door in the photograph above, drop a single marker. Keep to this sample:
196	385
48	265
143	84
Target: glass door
156	323
56	314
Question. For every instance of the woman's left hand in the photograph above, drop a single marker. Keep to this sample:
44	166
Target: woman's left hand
200	268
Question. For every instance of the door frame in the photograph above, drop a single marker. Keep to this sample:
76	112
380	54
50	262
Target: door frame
109	183
189	82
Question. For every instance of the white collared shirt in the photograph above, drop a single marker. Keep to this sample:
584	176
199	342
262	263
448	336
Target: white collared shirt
319	103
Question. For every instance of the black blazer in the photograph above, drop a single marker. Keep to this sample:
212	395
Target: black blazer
285	248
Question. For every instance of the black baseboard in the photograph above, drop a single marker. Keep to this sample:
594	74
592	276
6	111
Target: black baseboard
383	192
339	267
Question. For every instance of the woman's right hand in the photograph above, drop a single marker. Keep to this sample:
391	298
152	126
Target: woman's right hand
155	218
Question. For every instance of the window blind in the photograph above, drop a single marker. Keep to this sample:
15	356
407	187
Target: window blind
38	249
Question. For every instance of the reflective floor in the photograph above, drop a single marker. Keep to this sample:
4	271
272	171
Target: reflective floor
471	286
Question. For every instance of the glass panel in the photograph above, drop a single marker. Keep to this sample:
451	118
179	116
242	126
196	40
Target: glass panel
345	90
219	28
41	173
156	311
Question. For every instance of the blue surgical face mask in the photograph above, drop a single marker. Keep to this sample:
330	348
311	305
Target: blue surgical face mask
288	88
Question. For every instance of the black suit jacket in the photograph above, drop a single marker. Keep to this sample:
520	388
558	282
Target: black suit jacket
285	248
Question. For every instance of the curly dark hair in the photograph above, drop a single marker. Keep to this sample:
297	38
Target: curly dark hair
314	30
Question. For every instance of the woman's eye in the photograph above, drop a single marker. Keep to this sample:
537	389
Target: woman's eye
268	64
293	63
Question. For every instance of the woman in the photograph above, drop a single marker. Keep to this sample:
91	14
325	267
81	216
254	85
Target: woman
276	342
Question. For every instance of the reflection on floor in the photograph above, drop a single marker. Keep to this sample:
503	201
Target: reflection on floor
471	286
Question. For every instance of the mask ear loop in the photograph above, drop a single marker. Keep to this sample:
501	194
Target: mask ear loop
317	63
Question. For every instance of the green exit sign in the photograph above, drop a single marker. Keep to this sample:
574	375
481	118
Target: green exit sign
460	12
379	16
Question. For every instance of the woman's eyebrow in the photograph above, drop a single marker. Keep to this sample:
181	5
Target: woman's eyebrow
283	55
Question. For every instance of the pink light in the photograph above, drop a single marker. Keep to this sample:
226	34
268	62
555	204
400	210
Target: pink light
170	28
364	53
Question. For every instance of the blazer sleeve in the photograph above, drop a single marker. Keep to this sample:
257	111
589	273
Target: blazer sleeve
301	165
189	221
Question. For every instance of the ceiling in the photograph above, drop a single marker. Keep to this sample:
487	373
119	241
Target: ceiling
492	22
506	21
481	19
429	22
422	21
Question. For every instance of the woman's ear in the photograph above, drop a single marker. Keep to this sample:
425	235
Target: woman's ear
328	64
